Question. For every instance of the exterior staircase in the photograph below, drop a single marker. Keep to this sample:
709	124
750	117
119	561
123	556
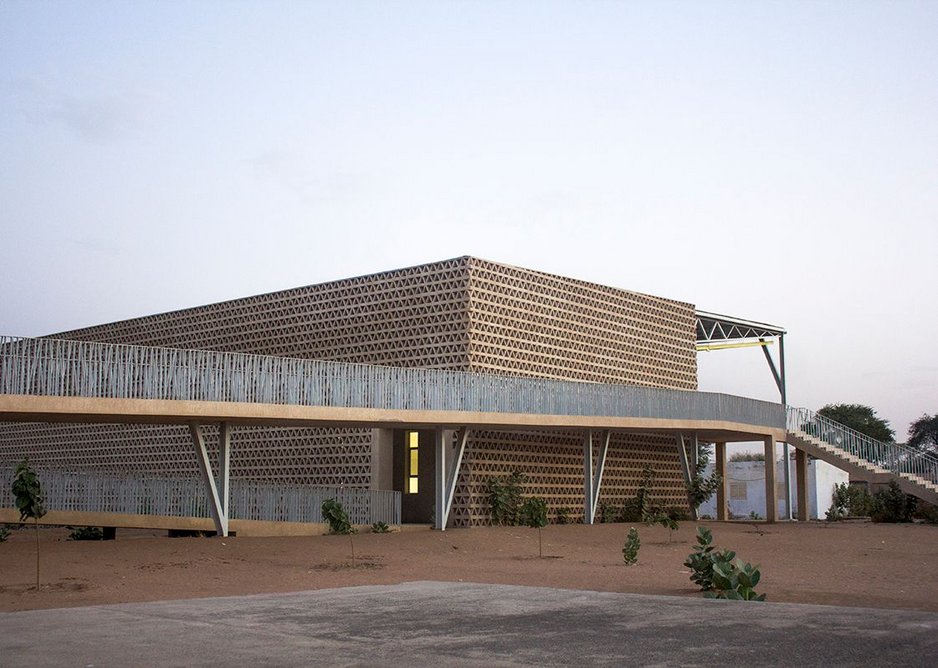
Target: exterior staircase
864	458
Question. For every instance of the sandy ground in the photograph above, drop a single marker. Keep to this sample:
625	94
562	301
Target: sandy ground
850	563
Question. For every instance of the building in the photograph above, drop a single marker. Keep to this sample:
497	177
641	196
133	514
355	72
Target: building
745	482
461	314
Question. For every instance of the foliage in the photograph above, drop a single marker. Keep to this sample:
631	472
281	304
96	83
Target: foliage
849	501
747	457
534	515
335	515
860	418
4	534
923	433
643	495
719	574
27	492
631	511
631	547
700	561
927	512
380	527
606	512
534	512
504	497
86	533
892	505
734	580
563	515
702	487
753	515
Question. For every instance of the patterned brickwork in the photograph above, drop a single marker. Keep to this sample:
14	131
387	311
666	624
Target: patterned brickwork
528	323
328	457
553	465
464	314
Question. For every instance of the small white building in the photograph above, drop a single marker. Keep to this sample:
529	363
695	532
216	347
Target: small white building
745	489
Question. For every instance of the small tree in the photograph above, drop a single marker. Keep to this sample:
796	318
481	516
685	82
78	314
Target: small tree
534	515
335	515
702	487
28	494
631	547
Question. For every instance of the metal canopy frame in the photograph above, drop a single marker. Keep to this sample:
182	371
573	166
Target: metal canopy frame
713	328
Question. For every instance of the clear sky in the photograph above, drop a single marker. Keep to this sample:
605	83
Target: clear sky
776	161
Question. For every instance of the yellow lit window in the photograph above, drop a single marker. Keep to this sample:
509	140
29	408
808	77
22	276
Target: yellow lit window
413	462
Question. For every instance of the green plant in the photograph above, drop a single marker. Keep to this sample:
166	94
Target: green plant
380	527
4	534
534	515
86	533
753	515
607	512
27	491
700	560
849	501
504	497
734	580
892	505
631	511
631	547
702	487
563	515
719	574
336	517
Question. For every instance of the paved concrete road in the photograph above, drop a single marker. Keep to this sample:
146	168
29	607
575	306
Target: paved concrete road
456	624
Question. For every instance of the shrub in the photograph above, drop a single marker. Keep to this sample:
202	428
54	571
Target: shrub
631	511
335	515
86	533
849	501
504	497
735	581
719	574
563	515
631	547
892	505
380	527
4	534
702	487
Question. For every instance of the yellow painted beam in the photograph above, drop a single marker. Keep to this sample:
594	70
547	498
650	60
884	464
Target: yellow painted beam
706	347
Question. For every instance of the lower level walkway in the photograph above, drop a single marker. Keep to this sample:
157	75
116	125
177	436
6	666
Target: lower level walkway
463	624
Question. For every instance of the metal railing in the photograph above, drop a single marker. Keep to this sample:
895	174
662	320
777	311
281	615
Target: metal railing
57	367
893	457
96	492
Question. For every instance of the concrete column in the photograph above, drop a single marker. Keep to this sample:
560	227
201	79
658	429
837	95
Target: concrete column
589	511
771	505
720	467
439	477
801	476
382	459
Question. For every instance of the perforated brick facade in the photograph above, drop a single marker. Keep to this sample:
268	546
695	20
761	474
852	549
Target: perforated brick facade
464	313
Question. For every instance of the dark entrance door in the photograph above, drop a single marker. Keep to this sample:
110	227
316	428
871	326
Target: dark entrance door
414	460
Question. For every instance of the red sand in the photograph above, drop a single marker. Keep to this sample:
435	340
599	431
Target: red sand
850	563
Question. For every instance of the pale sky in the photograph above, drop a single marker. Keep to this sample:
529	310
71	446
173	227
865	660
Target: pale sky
776	161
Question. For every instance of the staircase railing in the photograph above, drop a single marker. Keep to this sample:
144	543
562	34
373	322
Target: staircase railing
894	457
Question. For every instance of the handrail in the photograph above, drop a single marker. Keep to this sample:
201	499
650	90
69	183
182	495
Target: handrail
893	457
59	367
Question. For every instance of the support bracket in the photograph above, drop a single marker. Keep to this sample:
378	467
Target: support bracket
593	475
446	487
217	493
